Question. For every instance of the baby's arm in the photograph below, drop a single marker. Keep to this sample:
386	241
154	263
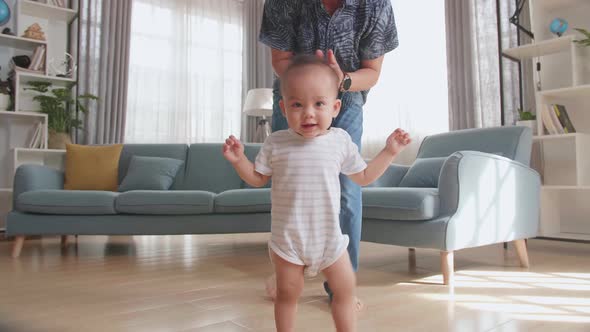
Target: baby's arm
233	151
396	142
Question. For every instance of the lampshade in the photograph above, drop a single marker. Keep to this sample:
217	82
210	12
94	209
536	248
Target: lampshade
258	102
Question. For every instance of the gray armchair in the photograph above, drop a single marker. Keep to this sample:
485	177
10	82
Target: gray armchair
466	189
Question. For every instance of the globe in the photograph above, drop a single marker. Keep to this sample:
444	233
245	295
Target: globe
4	12
558	26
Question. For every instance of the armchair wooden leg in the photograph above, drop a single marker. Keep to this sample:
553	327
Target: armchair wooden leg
447	267
522	252
17	246
64	240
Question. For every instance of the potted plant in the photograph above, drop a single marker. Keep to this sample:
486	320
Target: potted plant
56	102
527	119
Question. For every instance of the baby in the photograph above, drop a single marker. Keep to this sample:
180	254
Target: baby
305	162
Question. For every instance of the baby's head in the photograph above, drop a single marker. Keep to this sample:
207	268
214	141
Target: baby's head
310	95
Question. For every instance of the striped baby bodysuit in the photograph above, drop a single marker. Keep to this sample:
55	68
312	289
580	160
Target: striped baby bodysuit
305	194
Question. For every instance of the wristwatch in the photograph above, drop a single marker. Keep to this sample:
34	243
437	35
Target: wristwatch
346	83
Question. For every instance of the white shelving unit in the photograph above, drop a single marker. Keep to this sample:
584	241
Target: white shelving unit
545	47
47	157
19	42
16	130
564	160
46	11
17	127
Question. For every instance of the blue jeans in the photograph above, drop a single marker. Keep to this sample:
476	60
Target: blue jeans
350	119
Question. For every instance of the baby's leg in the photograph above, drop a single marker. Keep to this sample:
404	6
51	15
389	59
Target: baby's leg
289	287
271	287
271	282
343	284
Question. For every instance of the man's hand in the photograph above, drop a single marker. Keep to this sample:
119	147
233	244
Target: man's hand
233	150
331	61
397	141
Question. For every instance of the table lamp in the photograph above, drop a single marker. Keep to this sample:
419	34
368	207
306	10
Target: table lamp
259	103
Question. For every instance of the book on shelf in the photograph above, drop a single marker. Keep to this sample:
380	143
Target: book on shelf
548	120
38	58
34	58
37	141
556	124
38	64
564	118
556	120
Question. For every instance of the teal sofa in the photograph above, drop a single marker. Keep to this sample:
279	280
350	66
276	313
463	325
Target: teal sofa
206	197
466	189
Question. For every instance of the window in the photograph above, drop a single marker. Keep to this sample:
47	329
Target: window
412	92
185	79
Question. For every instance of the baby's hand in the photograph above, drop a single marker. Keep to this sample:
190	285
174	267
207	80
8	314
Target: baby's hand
233	149
397	141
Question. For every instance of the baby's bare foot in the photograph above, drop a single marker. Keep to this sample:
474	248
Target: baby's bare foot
271	287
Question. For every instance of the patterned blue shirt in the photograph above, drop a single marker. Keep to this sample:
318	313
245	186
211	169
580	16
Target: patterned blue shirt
358	30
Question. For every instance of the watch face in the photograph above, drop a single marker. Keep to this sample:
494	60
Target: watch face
347	83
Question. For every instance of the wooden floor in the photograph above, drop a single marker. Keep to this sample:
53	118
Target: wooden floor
215	283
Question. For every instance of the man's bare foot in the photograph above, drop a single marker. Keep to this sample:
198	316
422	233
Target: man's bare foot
271	287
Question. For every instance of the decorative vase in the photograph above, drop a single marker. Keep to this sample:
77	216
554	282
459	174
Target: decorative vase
58	140
529	123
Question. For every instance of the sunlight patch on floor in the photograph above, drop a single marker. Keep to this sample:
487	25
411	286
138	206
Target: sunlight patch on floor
574	309
553	318
551	300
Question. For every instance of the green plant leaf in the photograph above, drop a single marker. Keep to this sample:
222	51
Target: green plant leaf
525	115
583	42
38	86
88	96
57	104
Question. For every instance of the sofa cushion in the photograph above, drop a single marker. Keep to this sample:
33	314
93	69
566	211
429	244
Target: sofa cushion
80	202
174	151
92	167
150	173
243	201
400	203
157	202
423	173
208	170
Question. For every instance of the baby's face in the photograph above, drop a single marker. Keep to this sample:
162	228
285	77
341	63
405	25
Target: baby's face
310	101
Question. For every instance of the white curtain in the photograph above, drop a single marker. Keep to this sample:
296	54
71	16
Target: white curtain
185	75
412	91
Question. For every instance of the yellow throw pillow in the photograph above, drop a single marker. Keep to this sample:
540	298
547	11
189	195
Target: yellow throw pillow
92	167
